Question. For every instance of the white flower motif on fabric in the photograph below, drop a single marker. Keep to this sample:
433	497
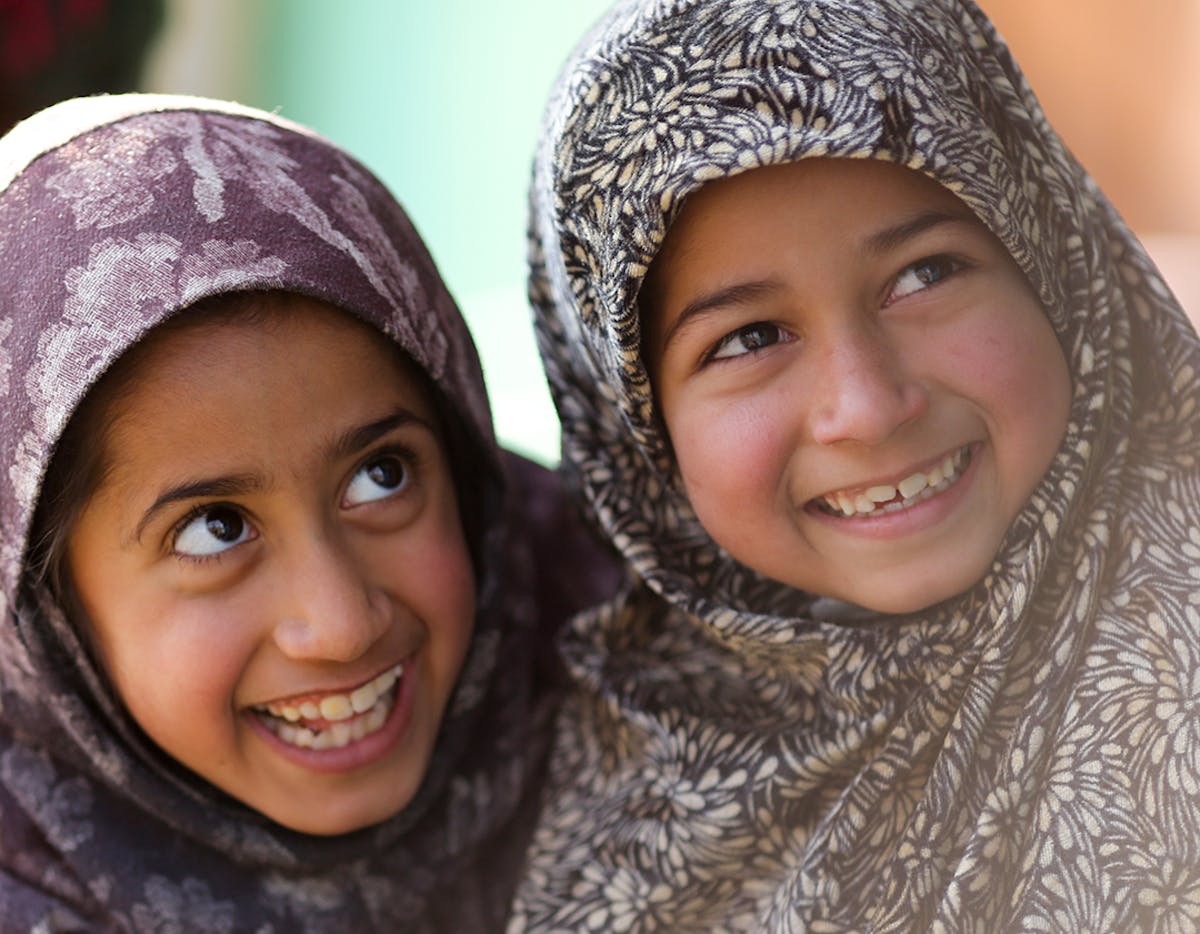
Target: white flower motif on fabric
399	282
1170	890
63	807
104	192
252	154
187	906
25	471
6	329
223	266
316	893
209	188
104	299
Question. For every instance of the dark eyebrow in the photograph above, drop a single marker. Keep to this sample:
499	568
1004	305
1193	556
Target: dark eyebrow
879	242
345	445
741	294
364	436
211	488
891	237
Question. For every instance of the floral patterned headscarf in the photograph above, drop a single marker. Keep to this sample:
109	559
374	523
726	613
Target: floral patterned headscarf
116	213
737	755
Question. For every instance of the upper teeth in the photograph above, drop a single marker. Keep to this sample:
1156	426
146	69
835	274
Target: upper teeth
912	489
339	706
369	705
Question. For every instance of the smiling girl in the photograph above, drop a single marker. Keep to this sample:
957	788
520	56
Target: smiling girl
268	656
880	458
898	426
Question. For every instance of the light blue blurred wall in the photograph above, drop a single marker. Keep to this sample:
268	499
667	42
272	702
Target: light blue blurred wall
443	101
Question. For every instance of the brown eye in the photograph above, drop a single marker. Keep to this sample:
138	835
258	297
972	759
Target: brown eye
377	479
748	339
210	531
922	274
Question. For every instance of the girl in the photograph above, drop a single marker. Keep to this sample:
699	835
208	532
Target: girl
897	425
266	659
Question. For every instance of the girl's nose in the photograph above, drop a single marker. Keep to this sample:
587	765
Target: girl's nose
863	392
332	611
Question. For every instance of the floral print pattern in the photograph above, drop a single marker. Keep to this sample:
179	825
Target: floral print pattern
739	756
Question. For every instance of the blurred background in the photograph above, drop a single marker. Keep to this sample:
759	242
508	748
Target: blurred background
443	102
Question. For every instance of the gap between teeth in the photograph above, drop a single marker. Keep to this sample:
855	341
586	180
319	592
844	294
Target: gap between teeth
911	490
349	717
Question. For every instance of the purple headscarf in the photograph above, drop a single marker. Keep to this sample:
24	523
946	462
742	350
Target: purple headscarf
118	212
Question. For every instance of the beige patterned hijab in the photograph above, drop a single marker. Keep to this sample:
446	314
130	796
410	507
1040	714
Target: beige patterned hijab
116	213
1025	756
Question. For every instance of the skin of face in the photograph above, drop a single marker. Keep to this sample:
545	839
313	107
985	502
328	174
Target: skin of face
839	326
278	526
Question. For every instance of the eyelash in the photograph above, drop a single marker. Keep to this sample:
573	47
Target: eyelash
409	459
192	515
712	355
949	264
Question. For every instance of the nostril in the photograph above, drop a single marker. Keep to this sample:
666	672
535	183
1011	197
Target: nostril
379	605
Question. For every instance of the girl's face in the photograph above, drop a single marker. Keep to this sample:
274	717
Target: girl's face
861	389
273	569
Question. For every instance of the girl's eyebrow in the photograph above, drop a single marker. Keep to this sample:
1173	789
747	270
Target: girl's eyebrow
214	487
743	293
345	445
891	237
363	436
879	242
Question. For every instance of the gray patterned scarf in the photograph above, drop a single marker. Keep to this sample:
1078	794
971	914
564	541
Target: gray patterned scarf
1024	756
116	213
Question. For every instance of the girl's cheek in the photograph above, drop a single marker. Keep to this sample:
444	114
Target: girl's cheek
729	448
983	359
1006	365
1012	369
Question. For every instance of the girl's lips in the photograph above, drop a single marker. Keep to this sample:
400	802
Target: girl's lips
334	705
898	518
382	728
934	475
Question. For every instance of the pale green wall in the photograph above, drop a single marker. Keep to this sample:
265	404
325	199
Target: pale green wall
443	101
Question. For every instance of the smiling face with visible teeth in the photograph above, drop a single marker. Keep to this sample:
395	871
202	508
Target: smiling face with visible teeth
860	387
272	570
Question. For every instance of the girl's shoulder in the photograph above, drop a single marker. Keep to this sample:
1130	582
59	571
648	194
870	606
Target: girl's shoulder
573	566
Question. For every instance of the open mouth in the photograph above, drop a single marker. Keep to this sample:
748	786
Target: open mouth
887	498
331	721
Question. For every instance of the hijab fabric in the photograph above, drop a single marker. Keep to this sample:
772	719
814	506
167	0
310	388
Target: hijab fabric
741	756
118	212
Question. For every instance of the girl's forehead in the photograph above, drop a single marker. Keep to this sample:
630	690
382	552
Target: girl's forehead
306	346
839	194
